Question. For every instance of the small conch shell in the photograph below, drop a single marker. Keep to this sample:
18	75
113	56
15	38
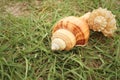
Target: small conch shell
102	20
70	31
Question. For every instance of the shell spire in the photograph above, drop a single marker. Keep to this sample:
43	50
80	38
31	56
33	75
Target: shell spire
102	20
68	32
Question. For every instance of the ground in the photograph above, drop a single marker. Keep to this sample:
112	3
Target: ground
25	40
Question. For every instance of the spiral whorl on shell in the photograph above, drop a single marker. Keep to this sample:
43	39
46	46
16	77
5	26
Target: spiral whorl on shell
68	32
102	20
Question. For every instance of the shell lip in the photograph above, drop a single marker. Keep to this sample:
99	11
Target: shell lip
81	45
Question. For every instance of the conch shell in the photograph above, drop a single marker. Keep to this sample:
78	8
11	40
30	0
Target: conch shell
102	20
70	31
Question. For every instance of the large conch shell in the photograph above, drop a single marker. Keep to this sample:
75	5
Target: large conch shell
102	20
70	31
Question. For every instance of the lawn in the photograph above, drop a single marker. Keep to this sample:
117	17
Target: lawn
25	41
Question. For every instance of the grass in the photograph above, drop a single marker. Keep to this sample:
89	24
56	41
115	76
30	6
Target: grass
25	52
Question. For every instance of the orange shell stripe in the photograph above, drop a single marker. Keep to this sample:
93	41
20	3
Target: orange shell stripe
76	30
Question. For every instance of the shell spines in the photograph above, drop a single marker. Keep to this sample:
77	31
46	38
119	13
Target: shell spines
102	20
